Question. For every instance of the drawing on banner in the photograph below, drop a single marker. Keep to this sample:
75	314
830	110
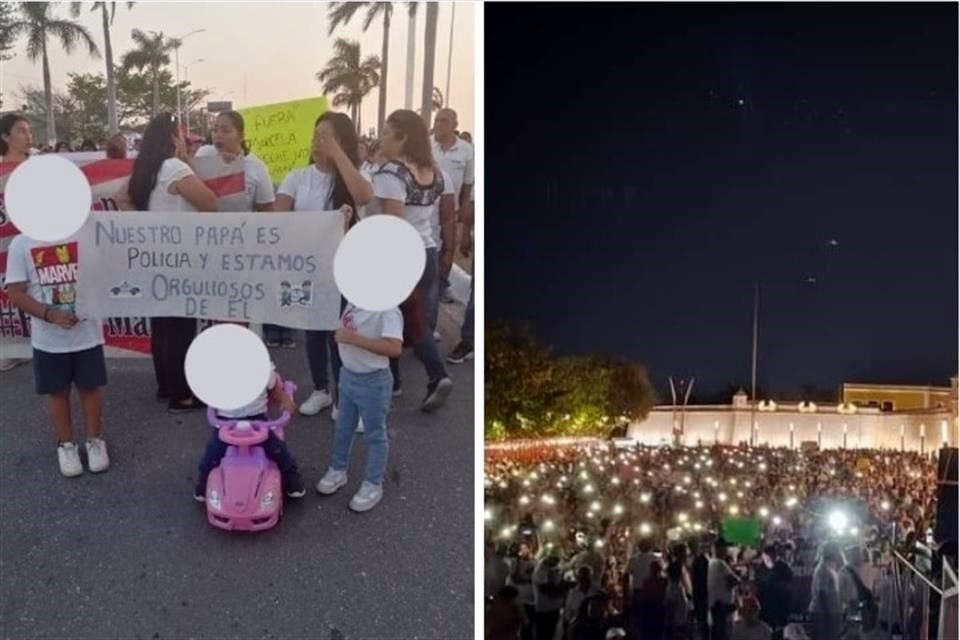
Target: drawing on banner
57	274
125	290
299	296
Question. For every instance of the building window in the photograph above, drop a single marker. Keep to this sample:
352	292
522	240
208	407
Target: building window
887	406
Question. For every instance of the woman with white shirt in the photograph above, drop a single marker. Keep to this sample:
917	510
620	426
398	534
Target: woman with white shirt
258	195
411	185
329	182
163	180
229	144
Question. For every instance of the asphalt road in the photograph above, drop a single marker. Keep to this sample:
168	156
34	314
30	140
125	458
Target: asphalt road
129	554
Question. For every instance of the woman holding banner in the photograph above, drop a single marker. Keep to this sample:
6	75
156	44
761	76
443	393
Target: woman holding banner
331	181
229	143
409	185
162	180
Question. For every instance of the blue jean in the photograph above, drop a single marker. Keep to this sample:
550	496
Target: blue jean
431	289
426	347
275	448
367	396
466	329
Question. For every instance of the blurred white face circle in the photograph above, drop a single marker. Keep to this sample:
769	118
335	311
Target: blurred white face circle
379	262
48	198
227	366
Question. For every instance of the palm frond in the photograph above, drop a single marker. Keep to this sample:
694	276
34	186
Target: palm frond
340	100
71	34
35	42
135	59
377	9
35	12
341	12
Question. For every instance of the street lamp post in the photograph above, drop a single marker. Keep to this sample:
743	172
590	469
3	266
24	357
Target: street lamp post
186	79
453	15
177	42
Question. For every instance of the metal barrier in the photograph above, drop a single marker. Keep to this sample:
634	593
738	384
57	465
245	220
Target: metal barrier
948	605
906	606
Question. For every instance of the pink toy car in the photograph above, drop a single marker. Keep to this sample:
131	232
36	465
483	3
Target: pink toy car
244	492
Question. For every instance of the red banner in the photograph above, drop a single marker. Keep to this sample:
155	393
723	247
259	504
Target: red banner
106	177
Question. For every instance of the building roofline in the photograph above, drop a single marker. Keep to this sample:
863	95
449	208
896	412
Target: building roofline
894	388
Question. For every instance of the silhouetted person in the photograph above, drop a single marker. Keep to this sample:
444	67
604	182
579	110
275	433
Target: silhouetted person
504	617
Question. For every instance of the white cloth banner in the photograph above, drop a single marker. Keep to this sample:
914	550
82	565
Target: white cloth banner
272	268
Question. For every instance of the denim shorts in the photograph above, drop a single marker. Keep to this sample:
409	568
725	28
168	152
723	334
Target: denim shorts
57	372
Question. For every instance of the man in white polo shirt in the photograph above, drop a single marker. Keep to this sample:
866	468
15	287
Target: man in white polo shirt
455	157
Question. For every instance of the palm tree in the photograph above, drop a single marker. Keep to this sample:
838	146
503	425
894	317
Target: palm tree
106	16
349	78
429	57
153	53
341	12
38	24
437	99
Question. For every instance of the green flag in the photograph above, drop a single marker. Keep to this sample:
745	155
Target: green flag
742	531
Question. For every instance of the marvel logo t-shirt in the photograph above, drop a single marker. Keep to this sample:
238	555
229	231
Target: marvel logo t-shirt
50	271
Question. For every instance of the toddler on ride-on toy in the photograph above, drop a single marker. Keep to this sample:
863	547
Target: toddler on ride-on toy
274	447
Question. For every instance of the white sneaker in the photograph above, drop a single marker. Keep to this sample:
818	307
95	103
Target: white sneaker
69	457
334	413
436	336
360	425
6	364
317	402
367	497
331	482
97	458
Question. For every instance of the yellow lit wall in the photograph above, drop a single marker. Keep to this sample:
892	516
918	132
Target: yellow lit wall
903	398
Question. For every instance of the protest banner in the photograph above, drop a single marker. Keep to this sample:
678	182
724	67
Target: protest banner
281	134
127	336
237	267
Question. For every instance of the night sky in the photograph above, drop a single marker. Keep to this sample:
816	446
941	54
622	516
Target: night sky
645	163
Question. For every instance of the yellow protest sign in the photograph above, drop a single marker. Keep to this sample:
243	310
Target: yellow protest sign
280	134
